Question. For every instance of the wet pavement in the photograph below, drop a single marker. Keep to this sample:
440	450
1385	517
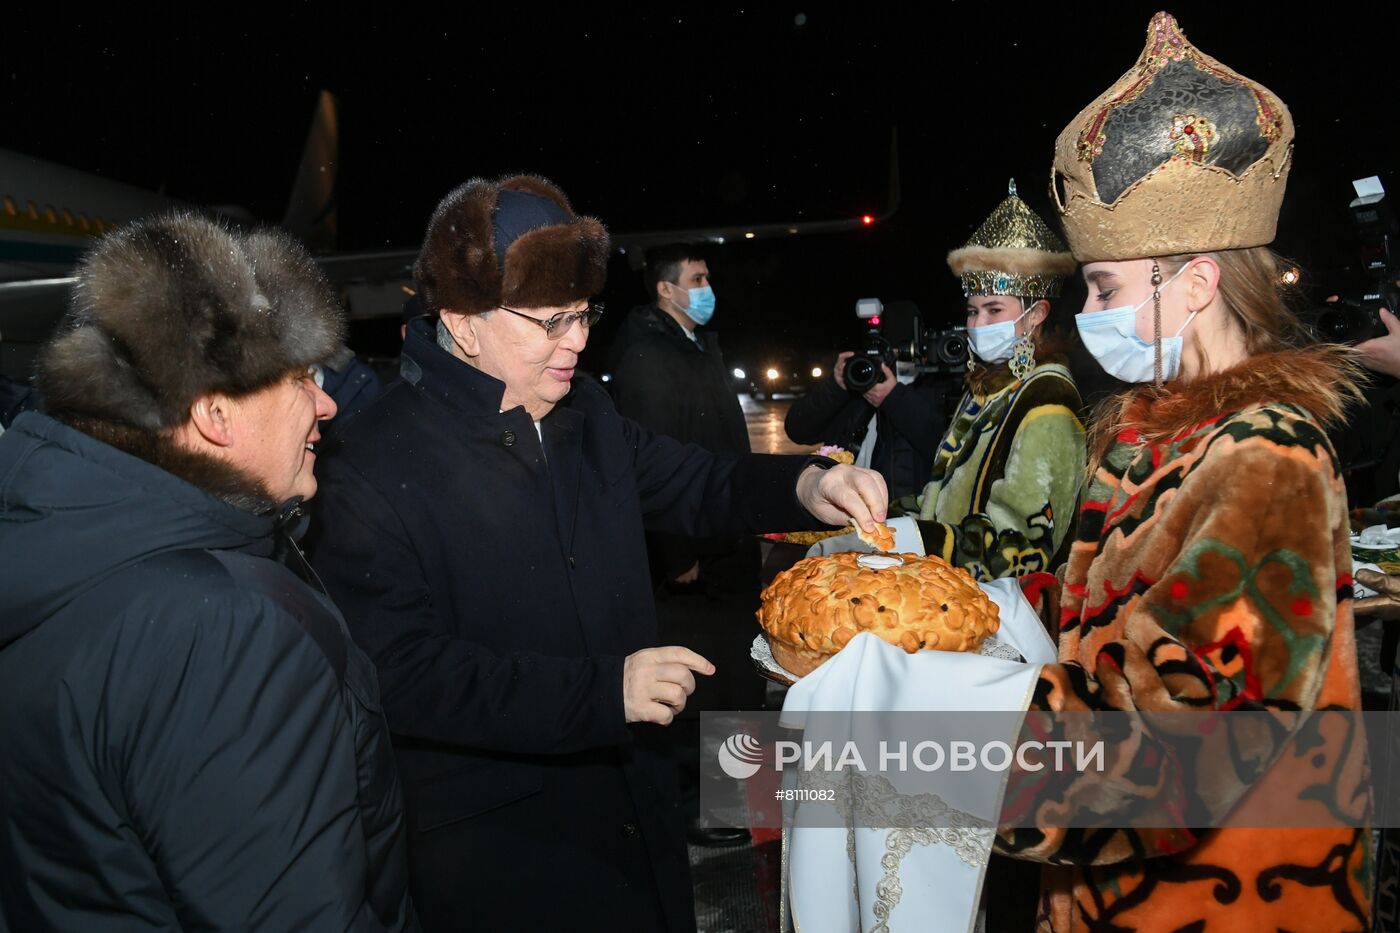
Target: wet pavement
765	422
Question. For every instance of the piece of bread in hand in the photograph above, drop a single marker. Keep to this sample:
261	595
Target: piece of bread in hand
881	539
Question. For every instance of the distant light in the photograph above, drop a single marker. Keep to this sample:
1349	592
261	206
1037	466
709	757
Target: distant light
816	372
792	229
772	375
875	322
867	219
740	374
1291	276
719	239
408	291
749	235
607	377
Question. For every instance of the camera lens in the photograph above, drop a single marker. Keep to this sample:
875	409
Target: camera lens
1347	324
953	350
860	373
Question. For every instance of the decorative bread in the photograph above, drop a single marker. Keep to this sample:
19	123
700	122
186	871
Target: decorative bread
812	609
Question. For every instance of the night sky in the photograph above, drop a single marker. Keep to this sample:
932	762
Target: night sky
700	115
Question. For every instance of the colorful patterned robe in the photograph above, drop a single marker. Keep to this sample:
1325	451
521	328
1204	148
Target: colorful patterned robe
1006	477
1211	571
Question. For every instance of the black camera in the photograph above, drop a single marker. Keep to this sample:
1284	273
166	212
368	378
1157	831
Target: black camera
895	334
1356	320
865	368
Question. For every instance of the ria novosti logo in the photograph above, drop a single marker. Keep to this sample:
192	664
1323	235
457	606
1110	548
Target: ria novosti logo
740	756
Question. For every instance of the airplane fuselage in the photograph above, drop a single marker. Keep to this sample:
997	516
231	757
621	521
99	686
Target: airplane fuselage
49	214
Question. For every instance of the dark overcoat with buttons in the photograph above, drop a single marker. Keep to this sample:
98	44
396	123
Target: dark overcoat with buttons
499	580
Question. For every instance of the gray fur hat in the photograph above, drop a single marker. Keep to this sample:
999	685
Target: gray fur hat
171	307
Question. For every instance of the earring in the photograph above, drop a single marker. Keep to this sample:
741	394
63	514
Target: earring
1022	356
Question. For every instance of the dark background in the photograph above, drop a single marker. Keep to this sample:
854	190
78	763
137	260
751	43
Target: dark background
659	117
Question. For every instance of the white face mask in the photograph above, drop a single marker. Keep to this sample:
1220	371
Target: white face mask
1111	336
993	343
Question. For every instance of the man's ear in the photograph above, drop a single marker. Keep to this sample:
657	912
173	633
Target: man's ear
463	329
212	418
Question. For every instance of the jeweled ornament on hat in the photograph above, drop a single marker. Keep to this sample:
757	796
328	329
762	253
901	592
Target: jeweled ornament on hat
1179	128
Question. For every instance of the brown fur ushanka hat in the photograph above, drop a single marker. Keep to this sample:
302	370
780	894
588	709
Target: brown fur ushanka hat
175	306
512	242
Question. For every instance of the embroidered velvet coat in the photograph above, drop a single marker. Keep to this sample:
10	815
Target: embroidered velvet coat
1006	477
1211	570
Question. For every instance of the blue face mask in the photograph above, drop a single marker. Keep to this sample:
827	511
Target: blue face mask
993	343
1111	337
702	305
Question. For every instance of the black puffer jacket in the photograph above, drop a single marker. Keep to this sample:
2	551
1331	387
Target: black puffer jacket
191	740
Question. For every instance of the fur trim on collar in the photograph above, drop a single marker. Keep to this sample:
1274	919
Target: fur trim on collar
1323	380
219	479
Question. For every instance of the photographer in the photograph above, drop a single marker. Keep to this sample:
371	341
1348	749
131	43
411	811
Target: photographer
893	425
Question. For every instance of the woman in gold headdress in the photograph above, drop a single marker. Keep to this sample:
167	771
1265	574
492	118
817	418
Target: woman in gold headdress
1211	569
1007	473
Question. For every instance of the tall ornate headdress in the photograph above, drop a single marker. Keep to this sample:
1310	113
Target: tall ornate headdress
1181	155
1012	253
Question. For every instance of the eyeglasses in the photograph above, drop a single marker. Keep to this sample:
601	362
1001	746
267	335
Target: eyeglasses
558	325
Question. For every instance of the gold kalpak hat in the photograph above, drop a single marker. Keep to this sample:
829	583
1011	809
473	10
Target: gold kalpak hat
1012	253
1181	155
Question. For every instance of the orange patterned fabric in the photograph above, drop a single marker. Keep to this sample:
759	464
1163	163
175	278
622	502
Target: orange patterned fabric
1212	572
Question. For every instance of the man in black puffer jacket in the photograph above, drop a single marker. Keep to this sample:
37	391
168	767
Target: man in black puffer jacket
191	740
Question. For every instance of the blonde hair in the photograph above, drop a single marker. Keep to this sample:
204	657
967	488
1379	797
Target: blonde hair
1252	289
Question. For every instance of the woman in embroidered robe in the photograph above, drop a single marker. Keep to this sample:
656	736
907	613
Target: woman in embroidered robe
1211	568
1008	471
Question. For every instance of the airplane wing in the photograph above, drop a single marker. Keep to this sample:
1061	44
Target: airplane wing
374	284
371	284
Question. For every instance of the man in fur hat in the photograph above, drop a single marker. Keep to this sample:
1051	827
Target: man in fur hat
484	532
191	738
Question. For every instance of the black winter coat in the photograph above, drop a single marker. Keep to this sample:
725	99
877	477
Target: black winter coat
190	739
909	425
499	583
671	385
664	380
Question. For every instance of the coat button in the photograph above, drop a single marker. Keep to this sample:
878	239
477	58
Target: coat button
629	830
508	438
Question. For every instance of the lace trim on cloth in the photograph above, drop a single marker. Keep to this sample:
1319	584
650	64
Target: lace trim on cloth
871	800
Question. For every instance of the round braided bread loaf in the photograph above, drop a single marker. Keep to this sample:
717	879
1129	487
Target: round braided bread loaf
812	609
